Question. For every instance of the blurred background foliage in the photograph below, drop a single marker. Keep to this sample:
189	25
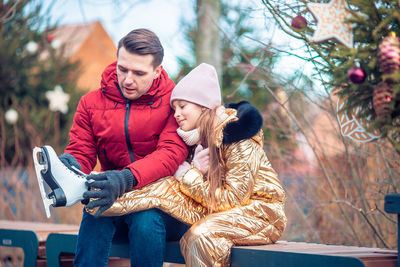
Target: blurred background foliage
335	186
30	67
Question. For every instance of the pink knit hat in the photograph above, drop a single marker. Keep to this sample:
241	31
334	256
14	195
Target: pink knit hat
200	86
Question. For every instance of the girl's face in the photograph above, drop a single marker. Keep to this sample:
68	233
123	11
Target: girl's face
187	114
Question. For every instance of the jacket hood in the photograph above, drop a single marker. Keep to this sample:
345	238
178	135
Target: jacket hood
109	85
244	122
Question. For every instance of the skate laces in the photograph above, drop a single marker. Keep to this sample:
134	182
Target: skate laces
79	172
75	171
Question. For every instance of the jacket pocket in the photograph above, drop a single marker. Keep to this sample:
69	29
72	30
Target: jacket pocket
144	148
105	162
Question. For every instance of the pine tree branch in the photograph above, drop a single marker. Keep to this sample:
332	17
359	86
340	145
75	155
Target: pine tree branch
280	50
253	69
9	15
278	18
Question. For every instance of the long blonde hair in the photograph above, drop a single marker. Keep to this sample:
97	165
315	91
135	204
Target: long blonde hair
206	125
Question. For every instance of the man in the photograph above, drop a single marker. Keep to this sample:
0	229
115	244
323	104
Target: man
128	124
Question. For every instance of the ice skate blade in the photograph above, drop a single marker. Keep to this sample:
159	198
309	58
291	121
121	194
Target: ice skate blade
47	202
66	185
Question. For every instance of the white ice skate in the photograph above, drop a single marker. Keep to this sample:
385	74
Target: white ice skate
67	186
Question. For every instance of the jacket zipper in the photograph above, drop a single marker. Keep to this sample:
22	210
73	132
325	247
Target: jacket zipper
128	142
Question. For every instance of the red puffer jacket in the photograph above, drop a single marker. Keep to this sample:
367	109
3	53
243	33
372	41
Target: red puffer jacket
139	135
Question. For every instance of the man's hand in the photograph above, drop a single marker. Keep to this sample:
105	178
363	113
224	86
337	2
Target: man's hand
112	185
201	159
69	161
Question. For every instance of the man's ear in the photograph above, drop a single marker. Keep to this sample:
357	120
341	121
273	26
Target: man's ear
157	72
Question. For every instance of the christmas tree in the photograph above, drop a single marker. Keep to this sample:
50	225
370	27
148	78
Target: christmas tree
33	77
355	48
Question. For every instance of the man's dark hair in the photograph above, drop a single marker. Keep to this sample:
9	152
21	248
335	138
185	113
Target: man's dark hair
143	42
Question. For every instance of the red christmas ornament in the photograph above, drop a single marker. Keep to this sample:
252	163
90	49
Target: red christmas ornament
356	75
50	37
389	54
299	22
381	100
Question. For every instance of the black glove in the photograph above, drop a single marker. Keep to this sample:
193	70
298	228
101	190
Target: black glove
112	185
69	161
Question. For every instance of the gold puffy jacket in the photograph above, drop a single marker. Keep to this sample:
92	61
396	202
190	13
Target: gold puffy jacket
250	203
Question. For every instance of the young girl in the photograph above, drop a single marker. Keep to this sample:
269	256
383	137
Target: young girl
228	192
240	188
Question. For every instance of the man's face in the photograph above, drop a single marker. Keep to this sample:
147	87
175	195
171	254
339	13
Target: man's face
135	73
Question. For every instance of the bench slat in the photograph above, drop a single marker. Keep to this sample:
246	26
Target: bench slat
42	241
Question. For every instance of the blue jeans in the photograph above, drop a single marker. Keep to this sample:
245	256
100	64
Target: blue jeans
147	231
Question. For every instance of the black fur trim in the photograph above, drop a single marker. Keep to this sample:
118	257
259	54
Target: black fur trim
249	123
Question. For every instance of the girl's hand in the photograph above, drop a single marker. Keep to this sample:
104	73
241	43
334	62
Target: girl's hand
182	169
201	159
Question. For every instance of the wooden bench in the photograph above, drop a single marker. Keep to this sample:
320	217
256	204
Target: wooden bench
285	254
59	243
281	254
31	237
46	244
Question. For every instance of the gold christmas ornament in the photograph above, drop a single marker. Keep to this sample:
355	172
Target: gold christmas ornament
389	54
382	99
